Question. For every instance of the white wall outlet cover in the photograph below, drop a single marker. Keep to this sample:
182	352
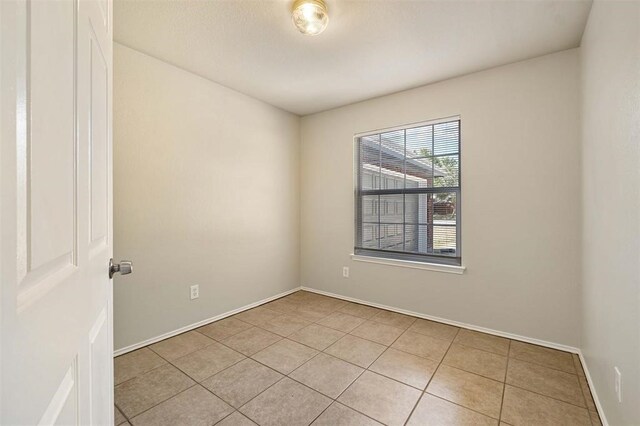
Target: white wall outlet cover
618	383
345	272
195	291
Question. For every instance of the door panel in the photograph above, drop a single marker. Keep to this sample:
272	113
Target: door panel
63	408
98	140
100	386
50	150
46	151
56	343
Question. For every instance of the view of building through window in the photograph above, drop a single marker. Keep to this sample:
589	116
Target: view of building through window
408	191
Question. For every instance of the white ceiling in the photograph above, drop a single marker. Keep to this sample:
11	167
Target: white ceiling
370	48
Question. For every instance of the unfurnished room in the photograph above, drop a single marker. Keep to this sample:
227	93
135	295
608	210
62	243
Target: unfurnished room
320	212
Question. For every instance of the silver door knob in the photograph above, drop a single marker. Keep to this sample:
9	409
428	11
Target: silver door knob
124	267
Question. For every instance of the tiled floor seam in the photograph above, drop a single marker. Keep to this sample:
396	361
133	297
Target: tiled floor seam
543	365
268	387
284	375
306	386
473	372
260	393
184	372
142	374
546	396
199	383
161	402
473	347
431	378
188	353
366	319
364	338
390	378
249	356
504	385
257	395
586	407
195	380
230	414
335	400
121	412
356	379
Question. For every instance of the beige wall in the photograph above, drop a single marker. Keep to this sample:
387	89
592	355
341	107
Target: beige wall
206	188
610	55
520	200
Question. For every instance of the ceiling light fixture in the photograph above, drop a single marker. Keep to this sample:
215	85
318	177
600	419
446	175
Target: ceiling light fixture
310	16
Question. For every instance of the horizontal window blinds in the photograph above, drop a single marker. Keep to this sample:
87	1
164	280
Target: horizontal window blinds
408	193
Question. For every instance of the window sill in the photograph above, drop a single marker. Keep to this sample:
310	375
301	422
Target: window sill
450	269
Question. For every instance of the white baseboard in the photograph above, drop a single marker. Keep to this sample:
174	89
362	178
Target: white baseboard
538	342
450	322
389	308
592	388
189	327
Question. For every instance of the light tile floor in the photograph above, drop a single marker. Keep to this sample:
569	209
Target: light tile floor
310	359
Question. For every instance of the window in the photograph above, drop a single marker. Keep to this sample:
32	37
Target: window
408	193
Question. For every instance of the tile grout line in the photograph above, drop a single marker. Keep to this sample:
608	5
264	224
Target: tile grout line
504	384
196	383
441	361
228	415
273	384
431	378
192	352
121	412
356	379
165	400
281	312
338	309
514	386
546	396
473	372
303	384
286	375
314	390
208	377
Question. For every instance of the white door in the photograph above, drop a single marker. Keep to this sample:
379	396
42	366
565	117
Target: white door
56	212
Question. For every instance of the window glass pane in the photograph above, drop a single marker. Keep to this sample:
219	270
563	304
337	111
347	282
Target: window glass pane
370	162
419	141
434	240
391	208
393	143
444	240
444	208
425	239
392	159
370	235
392	173
370	204
430	226
419	208
446	171
446	137
410	238
391	237
419	173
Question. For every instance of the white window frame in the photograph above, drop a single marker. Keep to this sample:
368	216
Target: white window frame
435	262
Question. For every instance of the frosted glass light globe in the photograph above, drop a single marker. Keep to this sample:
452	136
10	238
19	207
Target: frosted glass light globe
310	16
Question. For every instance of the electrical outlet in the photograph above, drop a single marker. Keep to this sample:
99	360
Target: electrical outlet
345	272
195	291
618	380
